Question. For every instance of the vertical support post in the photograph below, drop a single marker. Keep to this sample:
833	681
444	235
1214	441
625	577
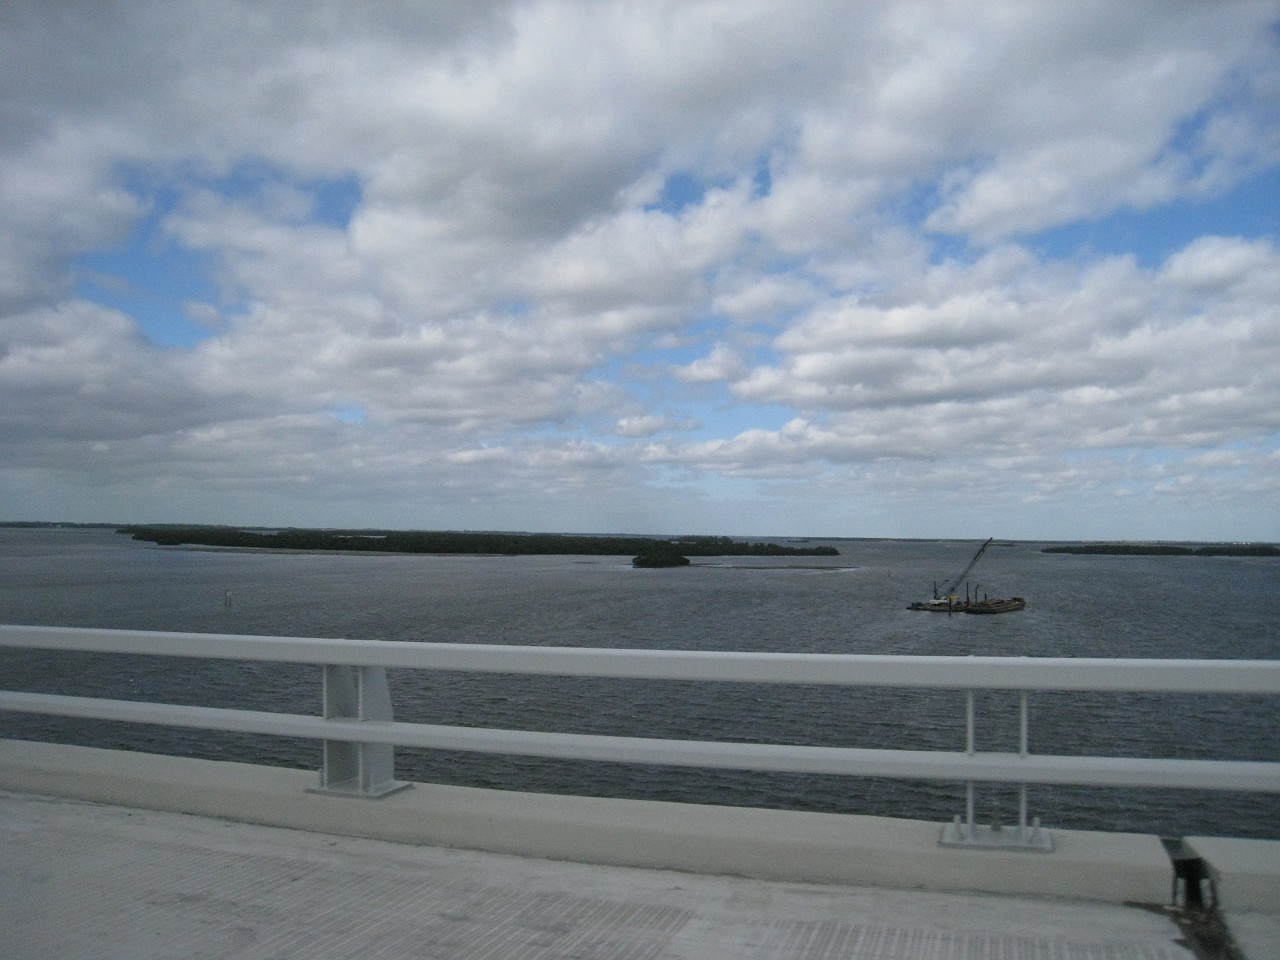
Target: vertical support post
966	834
970	748
1022	752
357	769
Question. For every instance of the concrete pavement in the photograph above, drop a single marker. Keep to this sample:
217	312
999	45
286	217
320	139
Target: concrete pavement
81	880
154	856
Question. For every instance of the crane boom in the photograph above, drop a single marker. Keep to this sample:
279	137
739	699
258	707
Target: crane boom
950	586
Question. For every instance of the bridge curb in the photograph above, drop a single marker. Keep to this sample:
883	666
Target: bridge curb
757	843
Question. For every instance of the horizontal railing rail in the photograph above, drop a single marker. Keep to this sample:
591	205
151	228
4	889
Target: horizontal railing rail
1240	775
840	669
359	731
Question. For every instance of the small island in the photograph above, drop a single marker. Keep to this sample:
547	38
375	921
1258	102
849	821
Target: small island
662	551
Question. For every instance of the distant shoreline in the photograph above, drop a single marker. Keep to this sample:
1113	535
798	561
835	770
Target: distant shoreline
201	548
701	545
1169	550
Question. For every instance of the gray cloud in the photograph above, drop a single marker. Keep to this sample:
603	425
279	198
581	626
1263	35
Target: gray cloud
519	309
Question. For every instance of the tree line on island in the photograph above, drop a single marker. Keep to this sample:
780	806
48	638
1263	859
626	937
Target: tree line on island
646	551
1170	549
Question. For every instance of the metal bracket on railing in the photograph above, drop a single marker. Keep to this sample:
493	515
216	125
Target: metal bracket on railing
966	833
976	836
357	769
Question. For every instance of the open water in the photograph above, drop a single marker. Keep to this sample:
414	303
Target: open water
1198	607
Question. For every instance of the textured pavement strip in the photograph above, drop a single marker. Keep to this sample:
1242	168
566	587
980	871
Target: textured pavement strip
80	880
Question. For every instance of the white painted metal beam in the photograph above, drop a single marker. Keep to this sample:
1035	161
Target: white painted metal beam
785	758
976	673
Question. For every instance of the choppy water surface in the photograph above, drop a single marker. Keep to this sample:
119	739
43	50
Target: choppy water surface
854	603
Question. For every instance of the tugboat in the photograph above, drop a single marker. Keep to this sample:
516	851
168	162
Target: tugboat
947	600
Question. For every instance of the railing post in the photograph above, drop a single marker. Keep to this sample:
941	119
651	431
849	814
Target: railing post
970	747
1023	751
357	769
967	833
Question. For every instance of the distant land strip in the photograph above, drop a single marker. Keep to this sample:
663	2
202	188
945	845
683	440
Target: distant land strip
1171	550
509	544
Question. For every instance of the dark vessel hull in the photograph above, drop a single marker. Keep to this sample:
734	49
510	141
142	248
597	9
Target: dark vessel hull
996	606
1005	605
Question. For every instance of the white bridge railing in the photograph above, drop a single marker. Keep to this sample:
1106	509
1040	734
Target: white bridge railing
359	732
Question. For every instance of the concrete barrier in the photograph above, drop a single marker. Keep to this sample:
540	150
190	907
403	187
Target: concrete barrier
1246	872
750	842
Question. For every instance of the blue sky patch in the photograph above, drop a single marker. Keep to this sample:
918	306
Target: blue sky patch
914	206
682	190
762	182
724	416
333	200
336	201
351	414
1250	210
153	279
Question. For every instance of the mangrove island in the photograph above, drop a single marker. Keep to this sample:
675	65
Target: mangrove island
655	551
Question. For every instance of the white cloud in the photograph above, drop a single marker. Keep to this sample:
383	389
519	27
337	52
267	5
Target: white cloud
1214	264
651	425
846	298
1116	357
721	364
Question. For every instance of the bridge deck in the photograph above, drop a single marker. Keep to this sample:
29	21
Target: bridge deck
95	881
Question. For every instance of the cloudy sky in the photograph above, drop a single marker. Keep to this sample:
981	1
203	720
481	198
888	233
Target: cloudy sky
902	268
